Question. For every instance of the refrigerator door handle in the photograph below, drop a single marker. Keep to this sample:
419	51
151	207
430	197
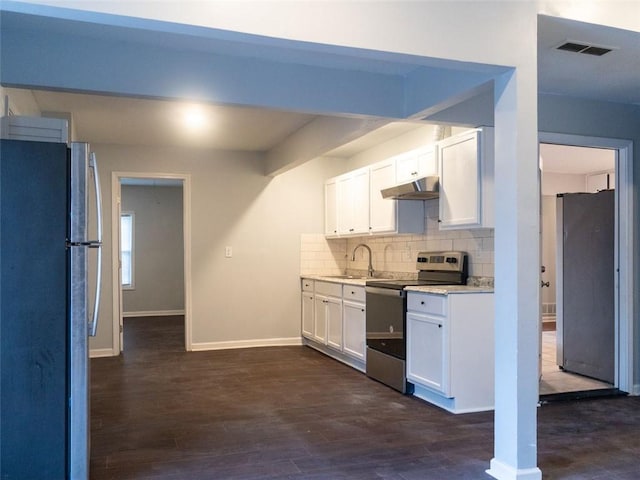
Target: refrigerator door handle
93	325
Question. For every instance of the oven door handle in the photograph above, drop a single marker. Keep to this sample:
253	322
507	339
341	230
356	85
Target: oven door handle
389	292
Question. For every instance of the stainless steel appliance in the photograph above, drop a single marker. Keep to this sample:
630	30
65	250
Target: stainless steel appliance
424	188
387	311
585	292
47	310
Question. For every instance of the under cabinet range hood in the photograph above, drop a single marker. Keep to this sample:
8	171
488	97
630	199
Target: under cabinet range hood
420	189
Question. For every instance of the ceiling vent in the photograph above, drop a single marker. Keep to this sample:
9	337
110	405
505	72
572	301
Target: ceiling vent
581	47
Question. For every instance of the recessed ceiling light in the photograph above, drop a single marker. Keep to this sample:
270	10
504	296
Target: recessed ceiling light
195	118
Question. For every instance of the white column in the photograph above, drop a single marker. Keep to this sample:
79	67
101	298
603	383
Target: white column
517	290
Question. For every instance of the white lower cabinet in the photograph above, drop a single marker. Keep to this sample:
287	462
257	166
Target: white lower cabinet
426	344
308	308
333	311
328	321
327	314
320	319
354	329
450	349
308	314
333	320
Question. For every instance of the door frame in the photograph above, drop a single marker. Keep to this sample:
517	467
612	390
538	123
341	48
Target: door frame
116	189
624	228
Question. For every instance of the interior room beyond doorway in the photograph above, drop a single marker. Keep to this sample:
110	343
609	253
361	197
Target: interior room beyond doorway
567	170
151	251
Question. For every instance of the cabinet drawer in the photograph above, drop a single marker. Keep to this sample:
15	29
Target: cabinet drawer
307	285
427	303
329	289
351	292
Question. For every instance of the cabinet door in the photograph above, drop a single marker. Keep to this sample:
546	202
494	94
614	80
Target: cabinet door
382	215
598	181
406	167
334	322
427	161
426	352
307	314
416	164
460	187
330	208
320	319
353	202
354	329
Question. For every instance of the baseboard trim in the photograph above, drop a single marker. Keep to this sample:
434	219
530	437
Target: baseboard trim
153	313
502	471
339	356
258	342
102	352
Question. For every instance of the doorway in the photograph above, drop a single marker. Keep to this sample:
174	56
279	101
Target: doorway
151	269
587	165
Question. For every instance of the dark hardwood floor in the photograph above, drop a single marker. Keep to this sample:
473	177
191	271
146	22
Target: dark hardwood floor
292	413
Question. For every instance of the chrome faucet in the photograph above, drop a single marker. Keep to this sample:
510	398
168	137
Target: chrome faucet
353	257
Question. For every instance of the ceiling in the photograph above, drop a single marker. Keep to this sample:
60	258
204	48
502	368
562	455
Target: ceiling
613	77
572	160
135	121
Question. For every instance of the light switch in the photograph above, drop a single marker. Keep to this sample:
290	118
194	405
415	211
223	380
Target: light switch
228	252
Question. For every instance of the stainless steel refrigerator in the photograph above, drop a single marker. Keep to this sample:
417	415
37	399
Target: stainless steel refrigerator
47	311
585	321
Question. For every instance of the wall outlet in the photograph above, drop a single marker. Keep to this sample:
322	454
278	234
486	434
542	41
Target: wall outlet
228	252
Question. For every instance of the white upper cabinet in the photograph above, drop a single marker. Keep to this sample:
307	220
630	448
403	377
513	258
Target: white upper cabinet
331	208
382	213
465	164
597	182
354	205
353	202
415	164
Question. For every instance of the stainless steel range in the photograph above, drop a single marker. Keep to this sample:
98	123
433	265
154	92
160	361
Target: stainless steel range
387	309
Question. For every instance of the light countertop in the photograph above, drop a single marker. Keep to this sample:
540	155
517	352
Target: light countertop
435	289
449	289
359	281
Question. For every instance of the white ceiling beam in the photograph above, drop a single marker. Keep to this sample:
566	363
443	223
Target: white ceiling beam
315	139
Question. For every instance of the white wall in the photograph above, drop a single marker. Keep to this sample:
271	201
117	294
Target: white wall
21	102
554	183
158	260
253	296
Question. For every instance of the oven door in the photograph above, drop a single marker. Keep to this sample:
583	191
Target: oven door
385	320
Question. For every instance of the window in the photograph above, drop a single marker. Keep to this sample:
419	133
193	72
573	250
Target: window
126	248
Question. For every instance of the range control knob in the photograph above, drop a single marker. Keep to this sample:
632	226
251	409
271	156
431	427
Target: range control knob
452	260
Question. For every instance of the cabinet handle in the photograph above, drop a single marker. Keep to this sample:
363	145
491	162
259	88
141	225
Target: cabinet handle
353	293
422	303
414	173
439	326
362	309
351	229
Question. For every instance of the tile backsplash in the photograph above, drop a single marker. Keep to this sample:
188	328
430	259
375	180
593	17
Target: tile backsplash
395	255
